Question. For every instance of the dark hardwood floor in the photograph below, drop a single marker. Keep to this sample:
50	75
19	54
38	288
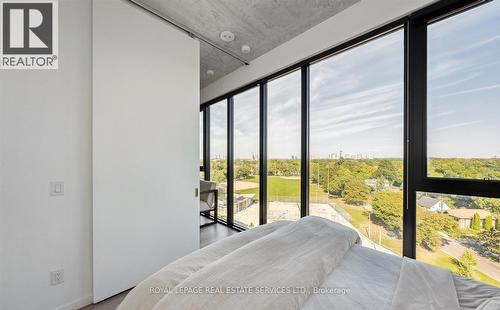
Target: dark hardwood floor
208	234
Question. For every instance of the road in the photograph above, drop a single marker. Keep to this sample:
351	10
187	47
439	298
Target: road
455	250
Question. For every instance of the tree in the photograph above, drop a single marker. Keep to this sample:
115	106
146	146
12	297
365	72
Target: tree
340	176
490	240
490	204
447	200
355	192
243	171
476	222
380	185
388	171
465	264
428	237
488	222
428	226
218	176
388	209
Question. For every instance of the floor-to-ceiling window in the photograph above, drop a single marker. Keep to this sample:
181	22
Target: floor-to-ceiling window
365	108
460	232
218	153
246	158
356	140
284	147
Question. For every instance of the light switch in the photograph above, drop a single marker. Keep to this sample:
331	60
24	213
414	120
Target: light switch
56	188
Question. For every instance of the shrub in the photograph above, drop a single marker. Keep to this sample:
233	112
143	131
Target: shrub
465	264
468	258
488	222
476	222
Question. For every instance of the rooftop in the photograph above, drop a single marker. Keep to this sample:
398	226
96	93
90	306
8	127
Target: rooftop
468	213
427	202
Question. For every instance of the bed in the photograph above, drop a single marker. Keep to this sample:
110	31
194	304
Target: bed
311	263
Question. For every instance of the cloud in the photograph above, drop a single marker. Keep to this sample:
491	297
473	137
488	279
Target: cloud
472	90
455	82
470	46
455	126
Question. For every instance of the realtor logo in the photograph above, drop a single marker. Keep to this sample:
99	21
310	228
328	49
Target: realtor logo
29	34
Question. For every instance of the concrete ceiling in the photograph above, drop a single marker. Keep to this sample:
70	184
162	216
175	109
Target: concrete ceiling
261	24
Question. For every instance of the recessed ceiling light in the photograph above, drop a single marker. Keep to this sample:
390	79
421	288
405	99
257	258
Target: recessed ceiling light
227	36
245	49
210	72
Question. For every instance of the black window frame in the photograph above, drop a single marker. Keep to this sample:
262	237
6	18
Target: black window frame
414	26
425	183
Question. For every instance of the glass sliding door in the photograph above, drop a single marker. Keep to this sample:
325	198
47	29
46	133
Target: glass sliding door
356	140
218	153
246	158
283	149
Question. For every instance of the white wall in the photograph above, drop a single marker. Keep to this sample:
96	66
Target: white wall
145	145
45	135
354	21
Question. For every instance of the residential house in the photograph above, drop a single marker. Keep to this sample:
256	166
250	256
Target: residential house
432	204
464	216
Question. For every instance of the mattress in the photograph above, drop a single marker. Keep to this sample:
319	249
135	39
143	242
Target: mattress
364	279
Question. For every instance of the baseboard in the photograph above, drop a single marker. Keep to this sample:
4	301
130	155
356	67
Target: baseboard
76	304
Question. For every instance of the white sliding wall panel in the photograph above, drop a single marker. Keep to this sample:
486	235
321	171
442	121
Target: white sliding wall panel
145	145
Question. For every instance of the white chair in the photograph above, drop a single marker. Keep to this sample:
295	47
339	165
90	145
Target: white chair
208	200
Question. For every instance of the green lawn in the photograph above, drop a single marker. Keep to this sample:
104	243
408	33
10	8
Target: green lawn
278	189
357	214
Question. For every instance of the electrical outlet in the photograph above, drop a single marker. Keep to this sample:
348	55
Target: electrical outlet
56	277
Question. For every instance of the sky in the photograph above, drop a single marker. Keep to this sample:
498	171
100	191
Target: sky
357	98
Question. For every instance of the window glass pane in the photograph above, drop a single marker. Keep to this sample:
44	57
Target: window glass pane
460	233
356	140
218	153
283	151
464	95
246	158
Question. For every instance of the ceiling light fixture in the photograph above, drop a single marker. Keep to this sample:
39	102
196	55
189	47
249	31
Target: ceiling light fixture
210	72
245	49
227	36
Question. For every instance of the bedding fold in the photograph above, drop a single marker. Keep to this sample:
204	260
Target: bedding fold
149	292
277	271
422	286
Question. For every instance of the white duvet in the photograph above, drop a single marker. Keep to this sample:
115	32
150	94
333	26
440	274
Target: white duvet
280	265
